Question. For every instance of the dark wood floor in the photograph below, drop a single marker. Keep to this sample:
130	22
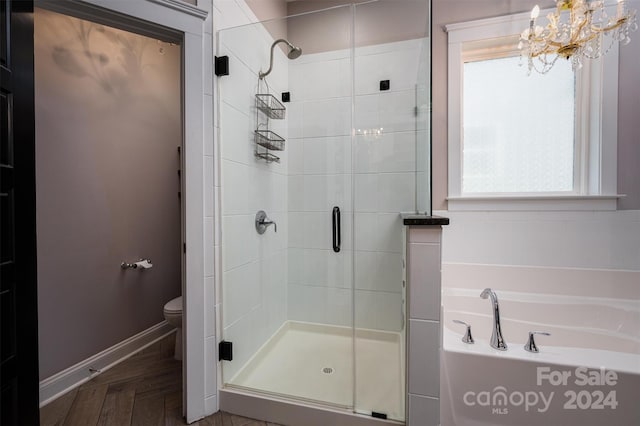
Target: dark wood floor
146	389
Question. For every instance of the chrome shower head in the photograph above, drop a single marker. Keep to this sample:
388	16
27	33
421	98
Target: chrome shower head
294	53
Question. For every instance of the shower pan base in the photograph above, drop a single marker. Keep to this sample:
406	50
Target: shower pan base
307	362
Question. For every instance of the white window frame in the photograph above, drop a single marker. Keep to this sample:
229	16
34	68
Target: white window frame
595	167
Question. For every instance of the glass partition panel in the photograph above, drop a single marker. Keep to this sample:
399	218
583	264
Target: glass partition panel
423	128
287	291
390	138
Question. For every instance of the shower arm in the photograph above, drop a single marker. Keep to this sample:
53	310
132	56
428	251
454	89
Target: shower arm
261	74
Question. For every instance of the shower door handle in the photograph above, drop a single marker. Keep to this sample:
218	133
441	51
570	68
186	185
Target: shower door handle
335	219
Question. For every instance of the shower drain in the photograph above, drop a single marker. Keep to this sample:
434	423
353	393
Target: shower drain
327	370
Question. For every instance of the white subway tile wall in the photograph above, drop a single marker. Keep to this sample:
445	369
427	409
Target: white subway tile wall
320	161
425	299
424	359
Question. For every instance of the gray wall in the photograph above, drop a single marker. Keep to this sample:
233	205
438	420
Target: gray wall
271	11
268	9
450	11
108	124
383	22
628	122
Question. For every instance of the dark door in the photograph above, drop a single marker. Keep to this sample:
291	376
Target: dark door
18	293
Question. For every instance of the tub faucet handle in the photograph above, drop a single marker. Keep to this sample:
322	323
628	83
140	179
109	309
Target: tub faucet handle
531	343
467	338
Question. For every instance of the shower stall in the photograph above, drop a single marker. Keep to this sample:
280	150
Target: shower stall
324	142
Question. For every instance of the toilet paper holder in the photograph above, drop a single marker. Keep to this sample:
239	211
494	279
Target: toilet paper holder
140	264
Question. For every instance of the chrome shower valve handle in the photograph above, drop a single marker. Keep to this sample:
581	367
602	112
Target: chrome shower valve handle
262	222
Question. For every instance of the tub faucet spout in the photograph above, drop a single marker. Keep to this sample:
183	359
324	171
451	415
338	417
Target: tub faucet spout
497	341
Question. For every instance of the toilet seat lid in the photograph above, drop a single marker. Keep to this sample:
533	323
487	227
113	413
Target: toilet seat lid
174	305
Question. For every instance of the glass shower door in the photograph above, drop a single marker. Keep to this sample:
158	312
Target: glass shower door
320	209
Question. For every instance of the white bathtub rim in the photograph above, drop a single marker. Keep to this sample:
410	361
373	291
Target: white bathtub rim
620	362
541	267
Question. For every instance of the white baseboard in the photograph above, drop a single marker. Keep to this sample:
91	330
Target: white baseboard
72	377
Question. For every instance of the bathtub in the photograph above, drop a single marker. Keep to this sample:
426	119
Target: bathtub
586	373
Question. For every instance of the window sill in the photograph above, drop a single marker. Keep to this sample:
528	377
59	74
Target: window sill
534	203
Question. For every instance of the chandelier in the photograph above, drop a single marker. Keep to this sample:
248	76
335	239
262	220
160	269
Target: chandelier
575	35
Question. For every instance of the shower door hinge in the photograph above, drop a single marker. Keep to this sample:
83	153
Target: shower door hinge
225	351
378	415
221	65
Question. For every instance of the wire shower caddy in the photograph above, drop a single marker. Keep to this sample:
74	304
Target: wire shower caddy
268	108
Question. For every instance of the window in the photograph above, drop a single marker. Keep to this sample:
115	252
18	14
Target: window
518	130
519	141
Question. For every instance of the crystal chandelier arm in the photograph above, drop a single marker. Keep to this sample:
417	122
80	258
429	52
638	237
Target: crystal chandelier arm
575	36
549	47
620	22
554	43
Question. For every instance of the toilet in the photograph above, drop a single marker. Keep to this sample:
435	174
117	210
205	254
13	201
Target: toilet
173	315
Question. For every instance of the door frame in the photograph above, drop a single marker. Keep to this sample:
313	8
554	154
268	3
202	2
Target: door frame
19	369
162	16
